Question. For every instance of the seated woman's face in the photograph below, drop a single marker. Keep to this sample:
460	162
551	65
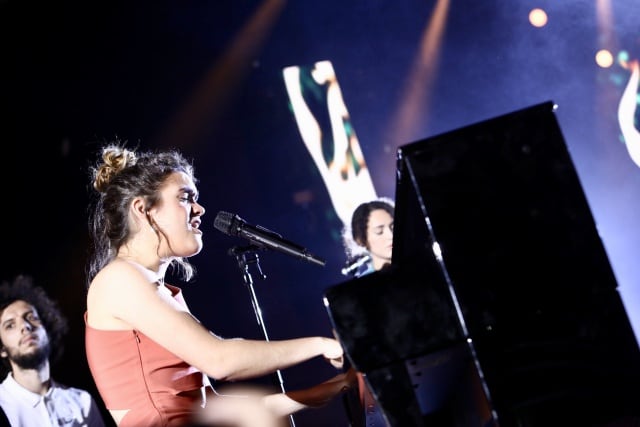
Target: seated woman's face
380	235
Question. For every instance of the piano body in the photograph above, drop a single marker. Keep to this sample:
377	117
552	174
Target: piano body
500	307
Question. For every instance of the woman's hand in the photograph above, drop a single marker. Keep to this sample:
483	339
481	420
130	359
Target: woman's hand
313	397
334	353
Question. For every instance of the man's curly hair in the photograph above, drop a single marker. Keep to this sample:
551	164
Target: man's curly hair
54	322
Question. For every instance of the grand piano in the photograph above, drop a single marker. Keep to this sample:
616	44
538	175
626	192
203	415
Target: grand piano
500	307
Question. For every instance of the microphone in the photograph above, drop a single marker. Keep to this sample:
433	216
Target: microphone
233	225
349	269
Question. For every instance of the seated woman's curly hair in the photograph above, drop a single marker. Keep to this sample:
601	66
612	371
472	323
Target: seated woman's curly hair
354	235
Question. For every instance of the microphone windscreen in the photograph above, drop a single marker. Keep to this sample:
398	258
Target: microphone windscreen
223	222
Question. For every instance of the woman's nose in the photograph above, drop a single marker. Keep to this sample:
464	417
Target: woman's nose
198	209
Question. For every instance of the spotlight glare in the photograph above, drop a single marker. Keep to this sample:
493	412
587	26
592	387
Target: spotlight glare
538	17
604	58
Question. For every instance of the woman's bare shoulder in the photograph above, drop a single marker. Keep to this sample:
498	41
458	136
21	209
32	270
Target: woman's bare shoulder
115	274
115	293
119	280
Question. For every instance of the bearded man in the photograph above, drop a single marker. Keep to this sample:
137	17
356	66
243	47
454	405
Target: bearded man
31	329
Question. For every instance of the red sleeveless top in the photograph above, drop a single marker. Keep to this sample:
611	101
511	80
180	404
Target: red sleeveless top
133	372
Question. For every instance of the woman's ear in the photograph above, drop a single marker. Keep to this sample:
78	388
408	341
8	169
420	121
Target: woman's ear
139	210
142	214
139	206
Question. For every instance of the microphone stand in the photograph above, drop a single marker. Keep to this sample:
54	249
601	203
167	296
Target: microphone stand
246	256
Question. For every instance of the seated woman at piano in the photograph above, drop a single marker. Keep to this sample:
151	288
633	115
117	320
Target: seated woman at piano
368	243
368	240
154	363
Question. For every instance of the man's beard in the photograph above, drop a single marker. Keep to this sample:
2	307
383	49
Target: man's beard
32	360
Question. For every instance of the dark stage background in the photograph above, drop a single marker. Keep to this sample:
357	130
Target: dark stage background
206	77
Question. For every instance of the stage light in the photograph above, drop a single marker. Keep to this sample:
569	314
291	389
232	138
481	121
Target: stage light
538	17
604	58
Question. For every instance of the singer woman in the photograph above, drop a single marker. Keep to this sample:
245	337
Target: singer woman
150	358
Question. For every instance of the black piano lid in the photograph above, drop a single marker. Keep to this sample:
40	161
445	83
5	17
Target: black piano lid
495	245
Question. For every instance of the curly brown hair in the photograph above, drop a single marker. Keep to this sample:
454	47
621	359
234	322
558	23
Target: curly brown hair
354	235
22	288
